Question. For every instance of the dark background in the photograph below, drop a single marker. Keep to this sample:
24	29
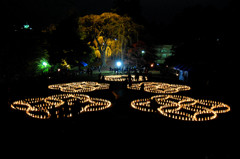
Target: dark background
183	22
51	11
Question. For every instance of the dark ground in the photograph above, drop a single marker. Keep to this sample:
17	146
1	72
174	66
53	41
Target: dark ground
120	130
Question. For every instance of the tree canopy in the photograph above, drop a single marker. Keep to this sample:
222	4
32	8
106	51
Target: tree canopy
108	33
65	47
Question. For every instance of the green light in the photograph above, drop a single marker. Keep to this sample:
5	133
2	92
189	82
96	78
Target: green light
45	64
26	26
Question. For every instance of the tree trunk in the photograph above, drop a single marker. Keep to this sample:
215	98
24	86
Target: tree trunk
122	49
103	58
102	52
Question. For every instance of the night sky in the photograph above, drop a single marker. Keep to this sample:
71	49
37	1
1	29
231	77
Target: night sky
165	10
51	11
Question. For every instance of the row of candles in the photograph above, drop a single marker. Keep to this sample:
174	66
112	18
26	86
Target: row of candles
121	78
153	87
159	87
182	107
43	108
172	106
79	87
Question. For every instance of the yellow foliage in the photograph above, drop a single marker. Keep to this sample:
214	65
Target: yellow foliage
97	53
108	52
113	46
65	64
110	32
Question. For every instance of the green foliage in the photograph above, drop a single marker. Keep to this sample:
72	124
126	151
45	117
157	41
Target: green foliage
43	65
23	52
38	62
66	44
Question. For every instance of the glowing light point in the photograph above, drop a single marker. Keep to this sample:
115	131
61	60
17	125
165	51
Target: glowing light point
44	64
119	64
26	26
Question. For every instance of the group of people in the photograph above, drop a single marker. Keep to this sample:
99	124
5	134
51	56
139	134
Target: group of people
101	77
137	75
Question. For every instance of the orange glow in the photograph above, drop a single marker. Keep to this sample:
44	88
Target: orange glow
182	107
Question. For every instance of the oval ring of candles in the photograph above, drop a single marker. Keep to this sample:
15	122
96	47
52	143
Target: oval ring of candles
121	78
181	107
159	87
79	87
42	108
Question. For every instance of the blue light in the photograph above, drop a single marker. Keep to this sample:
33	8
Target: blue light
119	63
84	63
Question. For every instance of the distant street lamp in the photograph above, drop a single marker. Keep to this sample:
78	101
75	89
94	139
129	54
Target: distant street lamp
44	64
119	64
26	26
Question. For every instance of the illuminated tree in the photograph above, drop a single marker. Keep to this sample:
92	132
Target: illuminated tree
108	33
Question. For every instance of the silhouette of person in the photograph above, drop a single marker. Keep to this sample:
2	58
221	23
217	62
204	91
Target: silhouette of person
154	104
142	87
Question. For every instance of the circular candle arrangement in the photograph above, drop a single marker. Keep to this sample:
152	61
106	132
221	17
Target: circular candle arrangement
181	107
159	87
79	87
172	106
61	105
121	78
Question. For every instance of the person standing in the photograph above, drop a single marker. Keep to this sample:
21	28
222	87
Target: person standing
130	79
137	76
